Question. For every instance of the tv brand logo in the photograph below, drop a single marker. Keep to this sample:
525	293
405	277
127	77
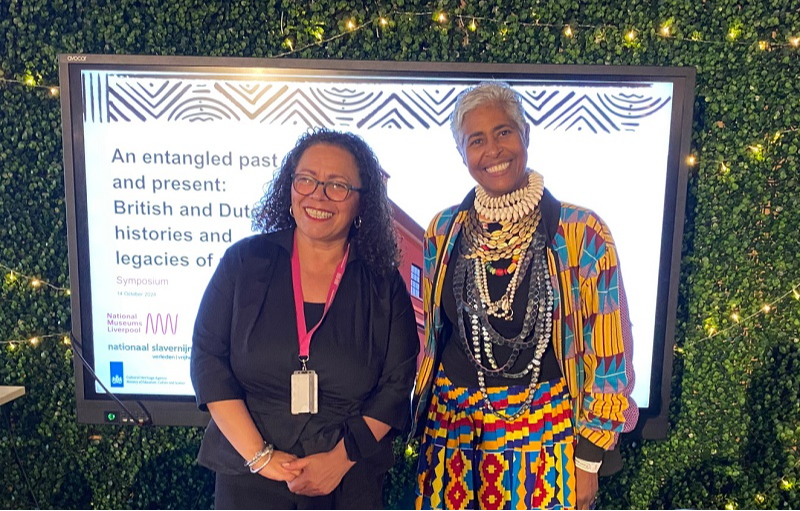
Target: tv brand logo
161	324
117	375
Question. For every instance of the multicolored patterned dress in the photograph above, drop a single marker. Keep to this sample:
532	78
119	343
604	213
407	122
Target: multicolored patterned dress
470	459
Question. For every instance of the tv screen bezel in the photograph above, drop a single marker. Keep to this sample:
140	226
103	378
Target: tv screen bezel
93	407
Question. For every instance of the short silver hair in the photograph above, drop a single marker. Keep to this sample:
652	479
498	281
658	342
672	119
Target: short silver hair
499	94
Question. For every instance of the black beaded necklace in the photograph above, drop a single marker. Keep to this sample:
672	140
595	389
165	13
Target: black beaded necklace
536	330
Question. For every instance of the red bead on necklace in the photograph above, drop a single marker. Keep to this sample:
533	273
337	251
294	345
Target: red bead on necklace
499	272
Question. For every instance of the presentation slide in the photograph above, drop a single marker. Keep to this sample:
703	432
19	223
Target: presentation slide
174	163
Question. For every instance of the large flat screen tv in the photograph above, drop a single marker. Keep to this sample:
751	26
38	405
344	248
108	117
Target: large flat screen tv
166	156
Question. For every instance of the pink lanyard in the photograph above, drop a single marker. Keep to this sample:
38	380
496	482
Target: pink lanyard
304	335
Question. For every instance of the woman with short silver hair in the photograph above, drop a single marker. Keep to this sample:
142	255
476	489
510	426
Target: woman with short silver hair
528	370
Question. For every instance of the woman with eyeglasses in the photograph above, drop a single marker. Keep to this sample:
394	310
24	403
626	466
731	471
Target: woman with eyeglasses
304	349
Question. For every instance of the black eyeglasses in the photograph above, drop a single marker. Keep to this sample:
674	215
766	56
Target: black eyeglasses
334	190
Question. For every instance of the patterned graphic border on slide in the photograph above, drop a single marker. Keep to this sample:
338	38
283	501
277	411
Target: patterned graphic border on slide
111	97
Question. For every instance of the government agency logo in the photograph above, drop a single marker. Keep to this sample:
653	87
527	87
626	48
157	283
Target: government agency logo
117	375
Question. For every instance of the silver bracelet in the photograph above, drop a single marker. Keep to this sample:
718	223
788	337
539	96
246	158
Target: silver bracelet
256	470
260	454
588	466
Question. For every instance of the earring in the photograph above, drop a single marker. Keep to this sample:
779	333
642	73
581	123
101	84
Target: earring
291	213
357	222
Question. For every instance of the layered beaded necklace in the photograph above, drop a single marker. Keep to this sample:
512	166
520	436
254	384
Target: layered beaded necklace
537	327
504	228
517	215
513	243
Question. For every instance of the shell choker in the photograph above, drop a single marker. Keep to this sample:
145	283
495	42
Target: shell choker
510	206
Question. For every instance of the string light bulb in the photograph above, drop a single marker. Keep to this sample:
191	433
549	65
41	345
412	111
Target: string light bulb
34	341
786	484
794	41
735	317
760	498
54	91
733	33
762	45
441	17
665	30
568	31
36	283
691	160
766	308
383	22
66	340
473	25
724	168
11	346
289	43
796	293
30	81
351	25
631	35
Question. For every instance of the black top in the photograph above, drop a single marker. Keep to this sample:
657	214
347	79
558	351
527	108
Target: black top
457	366
313	312
245	347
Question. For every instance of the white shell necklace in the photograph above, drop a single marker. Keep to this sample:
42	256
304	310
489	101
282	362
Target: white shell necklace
510	206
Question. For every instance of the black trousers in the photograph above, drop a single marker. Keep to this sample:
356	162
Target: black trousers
361	488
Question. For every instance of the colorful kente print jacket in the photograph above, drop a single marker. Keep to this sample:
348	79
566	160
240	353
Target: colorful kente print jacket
591	327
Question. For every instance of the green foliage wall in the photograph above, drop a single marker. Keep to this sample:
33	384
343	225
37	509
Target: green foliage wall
735	416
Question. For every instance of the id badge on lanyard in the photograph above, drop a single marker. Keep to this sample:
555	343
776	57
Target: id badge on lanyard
305	390
304	383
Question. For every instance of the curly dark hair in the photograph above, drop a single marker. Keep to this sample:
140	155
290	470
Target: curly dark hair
375	240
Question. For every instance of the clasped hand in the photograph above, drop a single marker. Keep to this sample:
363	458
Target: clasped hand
317	474
276	470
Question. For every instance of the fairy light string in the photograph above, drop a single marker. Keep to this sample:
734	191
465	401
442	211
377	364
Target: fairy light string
666	29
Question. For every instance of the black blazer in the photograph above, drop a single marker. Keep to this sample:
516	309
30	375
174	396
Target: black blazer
245	347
